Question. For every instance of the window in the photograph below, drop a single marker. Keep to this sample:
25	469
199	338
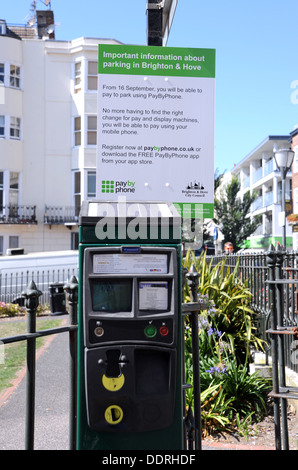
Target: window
295	210
74	244
91	184
15	128
91	133
1	73
2	126
1	245
13	241
77	131
2	27
15	76
92	75
9	191
78	79
77	192
295	167
13	188
1	190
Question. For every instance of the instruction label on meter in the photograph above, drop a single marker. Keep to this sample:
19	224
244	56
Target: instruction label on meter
153	295
119	263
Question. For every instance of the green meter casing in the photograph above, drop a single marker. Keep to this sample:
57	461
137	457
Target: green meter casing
130	338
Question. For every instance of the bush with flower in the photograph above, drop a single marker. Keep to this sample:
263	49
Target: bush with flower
8	309
229	394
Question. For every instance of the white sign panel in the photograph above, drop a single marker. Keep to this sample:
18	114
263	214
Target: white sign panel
130	264
156	125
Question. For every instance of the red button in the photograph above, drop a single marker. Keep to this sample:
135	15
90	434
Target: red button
164	330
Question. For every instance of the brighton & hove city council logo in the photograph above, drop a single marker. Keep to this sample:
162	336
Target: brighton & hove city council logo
195	189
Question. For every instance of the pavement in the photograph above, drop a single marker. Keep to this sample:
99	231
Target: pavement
52	404
206	445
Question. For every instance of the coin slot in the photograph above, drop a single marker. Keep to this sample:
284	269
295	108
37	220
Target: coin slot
113	414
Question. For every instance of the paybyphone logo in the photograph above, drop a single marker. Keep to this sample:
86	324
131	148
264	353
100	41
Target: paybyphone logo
113	186
107	186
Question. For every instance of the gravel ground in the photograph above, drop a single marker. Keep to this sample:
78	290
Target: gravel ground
262	434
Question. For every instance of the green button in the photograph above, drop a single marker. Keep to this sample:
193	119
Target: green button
150	331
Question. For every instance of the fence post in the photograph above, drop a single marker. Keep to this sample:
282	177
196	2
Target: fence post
193	282
31	295
280	254
71	290
184	272
271	262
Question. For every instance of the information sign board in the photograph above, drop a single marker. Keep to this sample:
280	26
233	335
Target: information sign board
156	125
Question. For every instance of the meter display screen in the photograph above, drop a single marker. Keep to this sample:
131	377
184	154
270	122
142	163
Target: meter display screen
153	295
111	295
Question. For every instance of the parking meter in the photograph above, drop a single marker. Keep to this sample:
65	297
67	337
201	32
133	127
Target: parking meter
130	380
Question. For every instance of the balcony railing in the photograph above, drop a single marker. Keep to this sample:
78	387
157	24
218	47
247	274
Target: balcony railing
268	198
60	215
268	167
13	214
257	175
257	204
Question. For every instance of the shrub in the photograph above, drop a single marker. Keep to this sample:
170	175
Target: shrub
9	310
231	298
230	396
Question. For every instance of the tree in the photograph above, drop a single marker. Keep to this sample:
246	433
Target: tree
231	214
218	177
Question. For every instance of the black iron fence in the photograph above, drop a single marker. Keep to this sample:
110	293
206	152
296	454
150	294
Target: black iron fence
14	214
254	269
32	295
272	278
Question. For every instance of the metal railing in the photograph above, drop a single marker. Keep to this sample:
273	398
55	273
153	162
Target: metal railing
32	295
60	215
12	284
254	270
271	277
14	214
191	418
284	334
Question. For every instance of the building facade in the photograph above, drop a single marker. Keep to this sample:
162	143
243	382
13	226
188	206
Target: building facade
258	173
293	218
48	136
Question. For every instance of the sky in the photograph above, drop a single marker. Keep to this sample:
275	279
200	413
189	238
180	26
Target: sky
256	56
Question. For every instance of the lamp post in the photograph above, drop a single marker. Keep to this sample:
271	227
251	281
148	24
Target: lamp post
160	14
283	159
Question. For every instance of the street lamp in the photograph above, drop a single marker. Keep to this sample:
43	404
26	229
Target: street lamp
283	159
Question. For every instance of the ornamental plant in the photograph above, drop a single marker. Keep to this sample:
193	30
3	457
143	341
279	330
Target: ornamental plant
292	218
230	396
231	298
8	309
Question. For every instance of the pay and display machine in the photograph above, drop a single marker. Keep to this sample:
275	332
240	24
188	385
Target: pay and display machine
130	381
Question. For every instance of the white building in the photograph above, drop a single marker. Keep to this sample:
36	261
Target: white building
48	121
258	172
